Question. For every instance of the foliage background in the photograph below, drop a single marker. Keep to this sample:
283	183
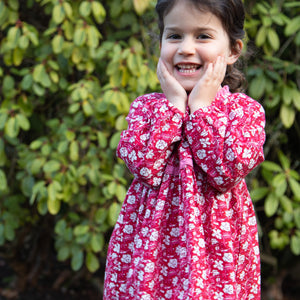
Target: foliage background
68	72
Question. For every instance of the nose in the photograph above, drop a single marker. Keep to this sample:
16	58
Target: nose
186	47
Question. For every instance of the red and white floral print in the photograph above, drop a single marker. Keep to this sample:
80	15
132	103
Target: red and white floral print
187	228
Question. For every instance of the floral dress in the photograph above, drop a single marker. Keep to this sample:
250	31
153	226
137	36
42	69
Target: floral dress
187	229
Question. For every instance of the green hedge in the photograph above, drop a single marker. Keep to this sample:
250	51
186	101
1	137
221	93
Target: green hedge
68	72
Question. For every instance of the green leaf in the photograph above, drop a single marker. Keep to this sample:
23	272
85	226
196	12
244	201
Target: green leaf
23	122
293	26
3	118
100	215
12	127
60	227
58	13
53	205
273	39
286	204
92	262
26	82
79	36
257	87
77	259
81	229
18	55
295	187
261	36
3	181
38	188
37	164
259	193
271	166
271	204
74	151
297	217
87	108
51	166
113	213
63	253
140	6
97	242
114	141
68	9
102	140
99	12
280	184
57	44
85	8
13	36
9	231
121	192
295	245
92	37
8	83
285	162
287	115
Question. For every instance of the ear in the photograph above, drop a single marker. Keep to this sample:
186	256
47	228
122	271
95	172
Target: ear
235	52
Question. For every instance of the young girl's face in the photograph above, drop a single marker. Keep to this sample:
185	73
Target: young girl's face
191	39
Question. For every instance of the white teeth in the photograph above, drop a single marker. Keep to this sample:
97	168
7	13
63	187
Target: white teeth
187	68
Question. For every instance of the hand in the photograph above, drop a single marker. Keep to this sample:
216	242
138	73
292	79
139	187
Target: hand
172	89
204	92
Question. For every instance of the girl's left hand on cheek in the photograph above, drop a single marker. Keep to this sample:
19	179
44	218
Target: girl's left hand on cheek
207	87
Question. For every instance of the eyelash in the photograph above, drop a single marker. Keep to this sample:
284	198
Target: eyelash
176	36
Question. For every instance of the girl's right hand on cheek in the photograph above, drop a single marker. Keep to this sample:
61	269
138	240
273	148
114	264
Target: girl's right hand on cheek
172	89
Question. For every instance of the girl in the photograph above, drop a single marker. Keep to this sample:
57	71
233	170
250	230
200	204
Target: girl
187	228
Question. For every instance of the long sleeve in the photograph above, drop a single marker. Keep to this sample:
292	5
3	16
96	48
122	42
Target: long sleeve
227	138
154	125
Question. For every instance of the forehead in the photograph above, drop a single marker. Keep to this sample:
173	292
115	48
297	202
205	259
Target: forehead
188	16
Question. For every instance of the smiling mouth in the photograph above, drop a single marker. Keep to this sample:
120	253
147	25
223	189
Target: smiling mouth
187	68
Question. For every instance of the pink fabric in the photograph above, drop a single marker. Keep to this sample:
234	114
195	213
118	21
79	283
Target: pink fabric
187	228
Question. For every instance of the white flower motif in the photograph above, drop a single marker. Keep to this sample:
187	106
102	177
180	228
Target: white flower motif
201	154
124	152
230	155
181	251
175	232
252	221
150	267
219	180
141	275
228	289
128	229
228	257
131	199
219	265
145	172
225	226
154	236
161	145
169	294
132	155
173	263
204	142
126	258
247	153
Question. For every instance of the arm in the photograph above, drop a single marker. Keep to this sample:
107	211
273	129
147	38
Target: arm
154	125
227	140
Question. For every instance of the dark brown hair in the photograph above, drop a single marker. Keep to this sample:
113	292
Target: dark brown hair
232	15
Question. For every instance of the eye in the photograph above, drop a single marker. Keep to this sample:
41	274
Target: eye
174	36
204	36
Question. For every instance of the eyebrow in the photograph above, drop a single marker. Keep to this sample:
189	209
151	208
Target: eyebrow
176	28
